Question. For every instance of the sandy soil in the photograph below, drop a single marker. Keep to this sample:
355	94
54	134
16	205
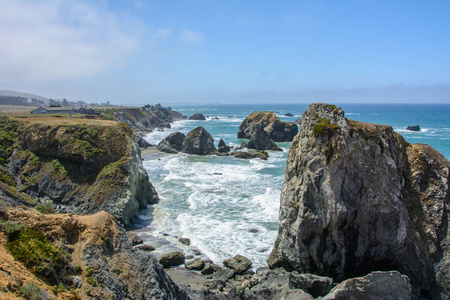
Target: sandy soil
149	150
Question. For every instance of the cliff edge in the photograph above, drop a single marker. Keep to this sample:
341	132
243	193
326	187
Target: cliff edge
358	198
82	166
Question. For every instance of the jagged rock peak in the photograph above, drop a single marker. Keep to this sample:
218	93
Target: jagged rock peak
358	198
198	141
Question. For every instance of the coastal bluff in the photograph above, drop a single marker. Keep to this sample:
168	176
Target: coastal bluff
81	166
358	198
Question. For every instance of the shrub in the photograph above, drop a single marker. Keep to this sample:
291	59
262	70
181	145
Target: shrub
45	208
31	291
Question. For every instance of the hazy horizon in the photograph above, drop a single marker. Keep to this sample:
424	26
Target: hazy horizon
227	52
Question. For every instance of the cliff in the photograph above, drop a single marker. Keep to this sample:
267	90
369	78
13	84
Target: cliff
80	257
82	166
144	120
358	198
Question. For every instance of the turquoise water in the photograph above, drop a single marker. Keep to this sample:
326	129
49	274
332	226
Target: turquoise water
228	206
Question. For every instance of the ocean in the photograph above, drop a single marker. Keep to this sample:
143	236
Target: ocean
227	206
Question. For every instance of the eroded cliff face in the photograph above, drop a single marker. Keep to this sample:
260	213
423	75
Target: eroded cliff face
81	168
358	198
100	262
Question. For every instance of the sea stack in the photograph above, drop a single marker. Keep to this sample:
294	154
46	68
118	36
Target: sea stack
358	198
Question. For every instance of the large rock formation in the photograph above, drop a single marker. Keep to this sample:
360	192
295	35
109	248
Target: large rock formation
259	139
81	168
358	198
198	141
278	130
172	143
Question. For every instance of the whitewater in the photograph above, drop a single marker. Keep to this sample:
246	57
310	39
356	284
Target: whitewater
227	206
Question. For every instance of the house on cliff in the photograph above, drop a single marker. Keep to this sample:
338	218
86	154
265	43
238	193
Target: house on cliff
63	110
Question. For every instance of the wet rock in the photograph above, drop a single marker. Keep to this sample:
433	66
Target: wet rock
197	116
238	263
288	115
250	154
171	259
222	147
198	141
413	128
195	264
375	286
136	240
146	248
172	143
185	241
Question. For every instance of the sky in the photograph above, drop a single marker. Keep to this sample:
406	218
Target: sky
192	51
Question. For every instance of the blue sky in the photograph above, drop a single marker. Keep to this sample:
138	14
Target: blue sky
138	52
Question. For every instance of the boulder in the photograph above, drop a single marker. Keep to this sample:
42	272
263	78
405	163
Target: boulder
259	139
222	147
210	268
413	128
172	143
358	198
277	130
239	263
197	116
171	259
198	141
136	240
374	286
288	115
185	241
250	154
195	264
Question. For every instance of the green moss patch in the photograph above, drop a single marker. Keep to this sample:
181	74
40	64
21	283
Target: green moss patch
324	126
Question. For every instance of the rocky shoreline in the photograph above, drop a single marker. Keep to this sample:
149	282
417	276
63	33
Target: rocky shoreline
364	215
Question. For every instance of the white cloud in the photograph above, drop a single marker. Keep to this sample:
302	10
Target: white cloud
48	40
191	37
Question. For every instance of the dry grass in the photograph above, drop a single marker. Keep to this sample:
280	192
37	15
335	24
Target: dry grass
15	109
66	120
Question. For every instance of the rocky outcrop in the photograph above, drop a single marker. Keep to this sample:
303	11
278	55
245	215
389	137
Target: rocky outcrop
143	120
238	263
172	143
222	147
259	139
374	286
198	141
413	128
198	117
104	264
81	168
250	154
171	259
358	198
277	130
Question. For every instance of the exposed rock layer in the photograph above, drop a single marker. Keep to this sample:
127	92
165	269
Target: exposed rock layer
358	198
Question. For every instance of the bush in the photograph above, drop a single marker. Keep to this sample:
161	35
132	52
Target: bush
45	208
31	291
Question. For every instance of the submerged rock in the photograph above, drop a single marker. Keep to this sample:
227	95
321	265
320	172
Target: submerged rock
198	141
358	198
277	130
